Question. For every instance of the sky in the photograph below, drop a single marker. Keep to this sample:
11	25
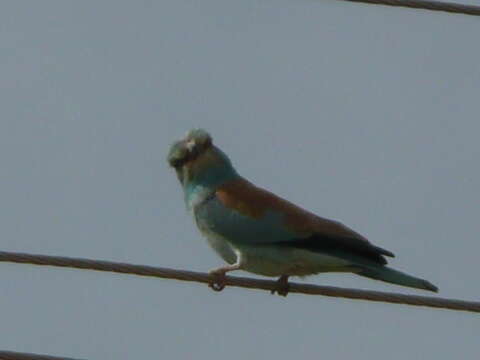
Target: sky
360	113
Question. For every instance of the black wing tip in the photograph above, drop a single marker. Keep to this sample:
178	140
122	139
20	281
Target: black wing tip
332	245
384	252
429	286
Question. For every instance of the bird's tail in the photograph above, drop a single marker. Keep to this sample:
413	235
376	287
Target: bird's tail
390	275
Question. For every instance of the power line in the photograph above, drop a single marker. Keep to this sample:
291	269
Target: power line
142	270
10	355
427	5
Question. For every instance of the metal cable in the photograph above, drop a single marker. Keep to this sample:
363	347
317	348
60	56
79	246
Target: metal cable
427	5
249	283
10	355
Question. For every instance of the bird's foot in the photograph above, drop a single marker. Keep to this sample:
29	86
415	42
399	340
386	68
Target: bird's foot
218	280
282	287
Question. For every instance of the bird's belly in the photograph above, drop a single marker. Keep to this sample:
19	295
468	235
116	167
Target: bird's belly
276	261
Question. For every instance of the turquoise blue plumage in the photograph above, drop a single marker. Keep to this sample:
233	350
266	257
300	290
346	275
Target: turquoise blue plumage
256	231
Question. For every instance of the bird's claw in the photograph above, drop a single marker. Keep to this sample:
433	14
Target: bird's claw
218	280
281	290
282	287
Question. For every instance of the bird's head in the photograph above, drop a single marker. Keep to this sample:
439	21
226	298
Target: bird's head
198	162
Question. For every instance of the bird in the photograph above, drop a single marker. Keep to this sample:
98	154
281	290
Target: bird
259	232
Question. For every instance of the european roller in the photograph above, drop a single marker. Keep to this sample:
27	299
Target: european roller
256	231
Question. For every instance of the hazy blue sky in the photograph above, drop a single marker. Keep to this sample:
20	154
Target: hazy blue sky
361	113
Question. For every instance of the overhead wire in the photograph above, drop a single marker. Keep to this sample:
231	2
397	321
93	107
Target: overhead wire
12	355
250	283
427	5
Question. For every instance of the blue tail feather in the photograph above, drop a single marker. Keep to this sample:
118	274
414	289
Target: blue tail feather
390	275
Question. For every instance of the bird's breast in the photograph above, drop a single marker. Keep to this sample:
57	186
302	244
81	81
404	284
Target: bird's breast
213	216
217	241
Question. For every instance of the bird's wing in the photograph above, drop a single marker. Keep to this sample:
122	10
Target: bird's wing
249	214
